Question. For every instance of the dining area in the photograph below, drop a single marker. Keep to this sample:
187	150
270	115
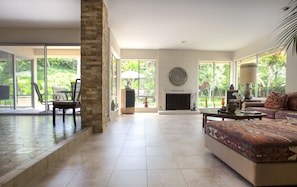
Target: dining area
62	99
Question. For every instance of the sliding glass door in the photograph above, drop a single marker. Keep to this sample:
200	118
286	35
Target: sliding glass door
6	80
23	82
47	66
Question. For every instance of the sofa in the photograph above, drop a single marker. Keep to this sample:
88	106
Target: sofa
275	106
264	152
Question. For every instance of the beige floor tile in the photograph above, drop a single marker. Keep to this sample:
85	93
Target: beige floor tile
99	162
128	178
131	162
133	151
158	151
53	178
161	162
102	151
203	177
91	178
134	143
198	161
166	178
232	178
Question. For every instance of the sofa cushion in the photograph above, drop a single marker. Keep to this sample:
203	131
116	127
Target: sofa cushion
270	113
292	101
276	101
284	114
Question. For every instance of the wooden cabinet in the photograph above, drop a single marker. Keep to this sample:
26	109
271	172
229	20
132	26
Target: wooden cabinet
127	101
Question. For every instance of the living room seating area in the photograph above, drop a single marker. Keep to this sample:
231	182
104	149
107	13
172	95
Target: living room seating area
262	151
275	106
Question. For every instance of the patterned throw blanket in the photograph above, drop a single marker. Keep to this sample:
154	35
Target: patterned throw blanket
261	141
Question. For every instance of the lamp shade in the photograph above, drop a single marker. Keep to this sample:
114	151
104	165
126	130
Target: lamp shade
248	73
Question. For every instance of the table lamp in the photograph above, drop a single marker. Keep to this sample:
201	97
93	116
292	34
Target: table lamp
248	75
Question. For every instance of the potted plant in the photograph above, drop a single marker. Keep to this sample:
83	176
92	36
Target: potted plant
287	36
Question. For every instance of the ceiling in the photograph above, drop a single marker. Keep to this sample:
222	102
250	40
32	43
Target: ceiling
221	25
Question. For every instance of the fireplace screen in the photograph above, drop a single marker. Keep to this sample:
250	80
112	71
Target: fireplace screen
178	101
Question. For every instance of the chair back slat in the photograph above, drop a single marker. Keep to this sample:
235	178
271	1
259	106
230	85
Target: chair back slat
76	91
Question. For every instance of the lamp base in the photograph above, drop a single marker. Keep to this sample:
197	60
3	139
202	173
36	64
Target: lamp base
247	92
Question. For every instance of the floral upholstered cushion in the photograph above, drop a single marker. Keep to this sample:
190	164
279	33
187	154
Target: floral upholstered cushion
292	101
276	101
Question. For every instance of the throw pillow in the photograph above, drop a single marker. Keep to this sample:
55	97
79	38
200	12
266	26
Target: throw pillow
292	101
276	101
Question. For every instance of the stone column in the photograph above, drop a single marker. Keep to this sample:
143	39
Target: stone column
94	64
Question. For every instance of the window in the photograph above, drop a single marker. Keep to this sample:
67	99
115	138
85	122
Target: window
271	73
140	75
113	83
27	64
214	80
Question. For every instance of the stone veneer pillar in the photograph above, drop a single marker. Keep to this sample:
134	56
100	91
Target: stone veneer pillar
94	64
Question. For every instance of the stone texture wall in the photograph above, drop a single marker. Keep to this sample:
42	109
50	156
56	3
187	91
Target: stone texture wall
94	64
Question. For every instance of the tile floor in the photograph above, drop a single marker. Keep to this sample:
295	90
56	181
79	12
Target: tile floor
142	150
24	137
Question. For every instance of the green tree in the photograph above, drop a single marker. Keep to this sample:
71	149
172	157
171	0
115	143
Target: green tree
271	73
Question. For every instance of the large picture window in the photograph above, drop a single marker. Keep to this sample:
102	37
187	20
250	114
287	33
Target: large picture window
58	67
271	73
140	75
214	80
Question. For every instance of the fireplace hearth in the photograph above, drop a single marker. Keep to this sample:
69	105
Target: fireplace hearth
178	101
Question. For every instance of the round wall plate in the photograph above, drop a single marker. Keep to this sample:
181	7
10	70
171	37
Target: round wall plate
178	76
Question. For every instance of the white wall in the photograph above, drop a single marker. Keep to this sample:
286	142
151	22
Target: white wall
215	56
169	59
139	54
254	48
40	36
291	66
114	46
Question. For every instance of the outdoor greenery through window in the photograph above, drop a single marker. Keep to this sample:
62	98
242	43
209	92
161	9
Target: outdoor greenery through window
113	83
140	75
271	73
61	72
214	80
26	64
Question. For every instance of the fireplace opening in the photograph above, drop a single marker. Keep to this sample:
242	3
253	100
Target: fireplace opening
178	101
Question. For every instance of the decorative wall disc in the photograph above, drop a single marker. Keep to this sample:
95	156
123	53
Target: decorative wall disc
178	76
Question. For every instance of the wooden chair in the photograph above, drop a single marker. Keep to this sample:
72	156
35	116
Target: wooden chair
70	104
41	96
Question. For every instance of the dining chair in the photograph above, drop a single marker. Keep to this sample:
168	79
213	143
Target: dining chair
73	104
59	93
41	96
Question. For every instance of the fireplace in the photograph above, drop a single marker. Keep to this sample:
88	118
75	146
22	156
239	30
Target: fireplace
178	101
